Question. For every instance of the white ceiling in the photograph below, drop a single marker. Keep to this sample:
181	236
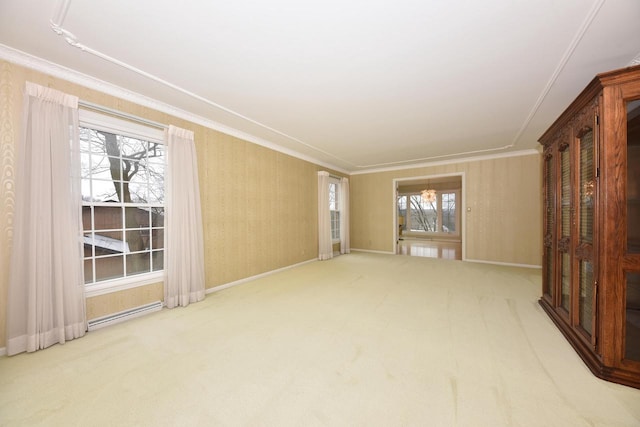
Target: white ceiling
357	84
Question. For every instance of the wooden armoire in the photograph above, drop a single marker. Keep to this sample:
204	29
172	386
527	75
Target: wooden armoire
591	259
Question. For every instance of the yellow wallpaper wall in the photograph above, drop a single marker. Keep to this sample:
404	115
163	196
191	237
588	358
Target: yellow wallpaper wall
259	206
503	195
8	112
115	302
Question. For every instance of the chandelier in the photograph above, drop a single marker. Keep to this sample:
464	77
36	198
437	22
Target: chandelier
429	195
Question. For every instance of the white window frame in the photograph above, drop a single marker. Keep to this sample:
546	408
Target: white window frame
103	122
439	233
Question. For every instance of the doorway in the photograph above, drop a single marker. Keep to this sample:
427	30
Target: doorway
429	216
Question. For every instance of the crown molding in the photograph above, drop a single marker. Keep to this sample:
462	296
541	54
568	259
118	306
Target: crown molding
527	152
26	60
568	53
55	70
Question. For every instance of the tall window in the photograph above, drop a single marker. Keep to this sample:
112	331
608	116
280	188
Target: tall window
334	208
122	198
422	216
448	208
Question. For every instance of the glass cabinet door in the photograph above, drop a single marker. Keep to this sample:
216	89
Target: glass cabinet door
584	249
549	222
564	244
632	282
633	177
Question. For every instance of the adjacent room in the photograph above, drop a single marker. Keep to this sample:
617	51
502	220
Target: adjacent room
319	214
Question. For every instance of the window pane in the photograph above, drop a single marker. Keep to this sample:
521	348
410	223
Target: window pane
334	209
109	267
85	188
157	238
88	244
156	169
138	263
85	136
137	217
416	220
103	167
402	213
157	217
138	172
88	270
105	191
402	202
333	197
107	217
138	192
335	225
96	163
85	165
133	148
158	260
137	240
424	214
107	242
86	217
156	154
448	212
155	194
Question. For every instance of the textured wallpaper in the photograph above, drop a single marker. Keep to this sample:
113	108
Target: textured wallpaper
259	206
503	220
8	131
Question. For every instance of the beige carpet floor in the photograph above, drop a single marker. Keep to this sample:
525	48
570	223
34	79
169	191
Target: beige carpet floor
361	340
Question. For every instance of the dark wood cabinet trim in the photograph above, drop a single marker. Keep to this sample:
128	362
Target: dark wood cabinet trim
601	108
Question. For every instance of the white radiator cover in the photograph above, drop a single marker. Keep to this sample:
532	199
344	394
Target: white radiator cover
122	316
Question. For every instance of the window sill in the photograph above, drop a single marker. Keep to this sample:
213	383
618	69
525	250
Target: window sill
109	286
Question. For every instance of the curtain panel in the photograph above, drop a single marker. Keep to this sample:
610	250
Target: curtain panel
184	281
325	245
46	285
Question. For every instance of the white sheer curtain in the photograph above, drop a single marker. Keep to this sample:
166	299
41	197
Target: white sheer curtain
184	247
345	244
325	245
46	286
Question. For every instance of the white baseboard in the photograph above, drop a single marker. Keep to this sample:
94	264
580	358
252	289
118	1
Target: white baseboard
372	251
506	264
3	351
257	276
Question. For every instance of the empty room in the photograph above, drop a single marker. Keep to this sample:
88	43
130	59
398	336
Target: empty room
337	213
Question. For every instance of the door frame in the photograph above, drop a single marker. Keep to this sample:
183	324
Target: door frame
463	209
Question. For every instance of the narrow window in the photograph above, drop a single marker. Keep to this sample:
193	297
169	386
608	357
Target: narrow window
334	208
